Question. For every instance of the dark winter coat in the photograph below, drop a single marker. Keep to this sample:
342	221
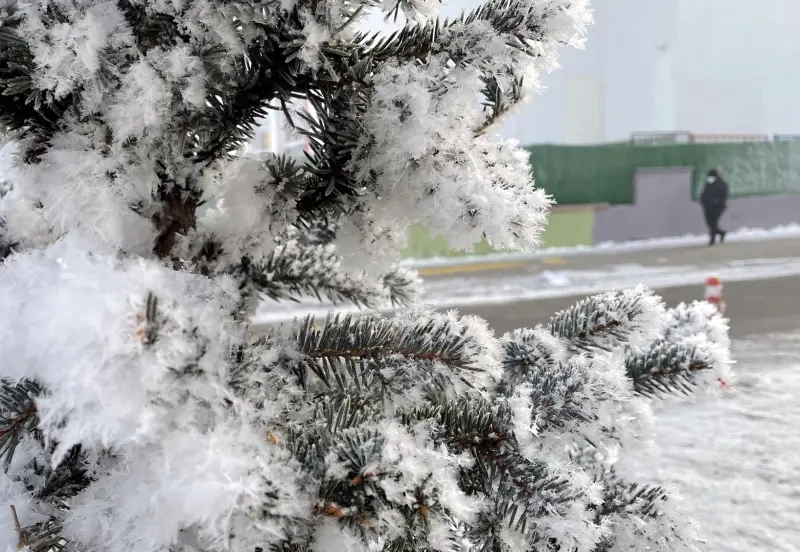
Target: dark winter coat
715	195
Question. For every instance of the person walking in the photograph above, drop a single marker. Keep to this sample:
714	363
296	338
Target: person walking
714	200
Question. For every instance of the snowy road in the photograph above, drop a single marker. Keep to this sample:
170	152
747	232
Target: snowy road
761	279
678	273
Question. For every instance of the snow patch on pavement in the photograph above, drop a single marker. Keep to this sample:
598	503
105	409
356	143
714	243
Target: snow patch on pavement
738	236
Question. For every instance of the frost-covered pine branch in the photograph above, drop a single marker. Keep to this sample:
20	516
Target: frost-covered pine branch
137	410
636	516
667	367
18	415
292	270
608	319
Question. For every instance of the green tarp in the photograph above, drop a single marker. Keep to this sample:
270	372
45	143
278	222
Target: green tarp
604	173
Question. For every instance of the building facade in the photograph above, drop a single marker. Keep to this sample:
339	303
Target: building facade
700	66
721	67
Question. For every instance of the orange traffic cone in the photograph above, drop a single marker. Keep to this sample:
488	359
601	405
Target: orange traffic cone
714	296
714	293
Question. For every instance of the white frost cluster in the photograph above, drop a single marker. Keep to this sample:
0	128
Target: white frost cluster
75	321
425	138
248	209
698	324
428	162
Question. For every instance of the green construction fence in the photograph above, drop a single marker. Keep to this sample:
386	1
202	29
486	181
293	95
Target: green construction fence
604	173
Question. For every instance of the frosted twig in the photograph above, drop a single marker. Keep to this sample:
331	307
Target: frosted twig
18	528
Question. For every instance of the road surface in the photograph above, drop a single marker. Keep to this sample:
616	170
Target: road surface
754	307
758	300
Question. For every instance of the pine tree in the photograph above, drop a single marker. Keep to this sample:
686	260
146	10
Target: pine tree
138	412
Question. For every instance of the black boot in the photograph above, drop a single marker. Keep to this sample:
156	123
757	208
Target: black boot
712	240
722	234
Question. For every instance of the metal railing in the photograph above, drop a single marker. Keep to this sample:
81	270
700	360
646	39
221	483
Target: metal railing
685	137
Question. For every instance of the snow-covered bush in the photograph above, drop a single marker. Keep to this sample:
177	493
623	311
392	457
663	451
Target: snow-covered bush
138	413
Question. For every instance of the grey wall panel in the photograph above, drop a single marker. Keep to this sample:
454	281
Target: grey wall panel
663	207
762	212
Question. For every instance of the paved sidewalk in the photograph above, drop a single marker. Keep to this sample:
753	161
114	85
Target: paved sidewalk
597	260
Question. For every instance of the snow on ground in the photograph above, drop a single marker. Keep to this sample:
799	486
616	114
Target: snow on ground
738	236
733	458
503	288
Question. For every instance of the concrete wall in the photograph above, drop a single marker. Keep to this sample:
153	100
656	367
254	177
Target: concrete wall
664	208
